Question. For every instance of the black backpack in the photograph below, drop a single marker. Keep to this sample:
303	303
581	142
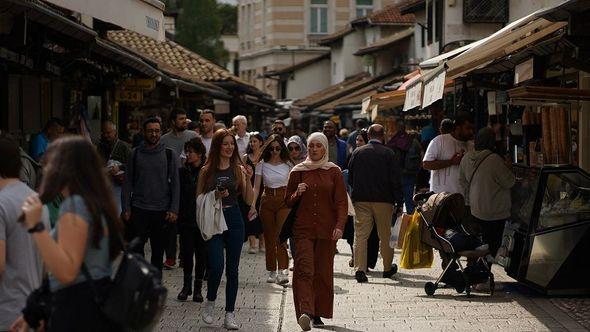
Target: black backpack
135	298
411	159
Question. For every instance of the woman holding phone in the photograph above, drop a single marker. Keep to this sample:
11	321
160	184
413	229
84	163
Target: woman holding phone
223	172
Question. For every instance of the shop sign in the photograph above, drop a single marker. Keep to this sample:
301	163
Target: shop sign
139	83
524	71
413	96
434	88
134	96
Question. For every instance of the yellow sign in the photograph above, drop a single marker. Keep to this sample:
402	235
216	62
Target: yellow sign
139	83
129	95
335	118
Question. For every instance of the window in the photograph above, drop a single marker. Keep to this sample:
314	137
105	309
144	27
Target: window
319	16
364	7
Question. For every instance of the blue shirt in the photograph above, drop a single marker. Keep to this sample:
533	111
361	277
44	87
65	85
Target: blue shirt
96	259
39	145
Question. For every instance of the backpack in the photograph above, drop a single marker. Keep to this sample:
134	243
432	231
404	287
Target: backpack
411	159
135	297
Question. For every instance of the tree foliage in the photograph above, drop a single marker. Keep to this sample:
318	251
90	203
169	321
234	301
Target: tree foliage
199	27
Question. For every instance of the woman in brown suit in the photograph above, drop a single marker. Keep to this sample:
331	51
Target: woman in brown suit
319	223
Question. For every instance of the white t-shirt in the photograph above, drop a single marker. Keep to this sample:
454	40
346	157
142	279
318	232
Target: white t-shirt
443	147
207	142
274	176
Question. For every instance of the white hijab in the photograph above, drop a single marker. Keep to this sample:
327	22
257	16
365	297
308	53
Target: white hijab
310	165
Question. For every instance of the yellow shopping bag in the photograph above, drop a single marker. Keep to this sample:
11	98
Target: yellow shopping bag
415	254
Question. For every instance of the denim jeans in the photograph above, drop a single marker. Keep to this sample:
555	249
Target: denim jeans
232	240
408	184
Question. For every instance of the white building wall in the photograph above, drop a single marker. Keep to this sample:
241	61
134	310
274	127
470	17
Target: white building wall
520	9
309	80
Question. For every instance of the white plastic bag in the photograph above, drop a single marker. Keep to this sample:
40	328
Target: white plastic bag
395	232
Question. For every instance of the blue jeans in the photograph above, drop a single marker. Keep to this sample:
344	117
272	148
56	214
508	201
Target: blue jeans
408	184
232	240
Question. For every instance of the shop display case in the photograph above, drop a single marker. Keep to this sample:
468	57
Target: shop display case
547	241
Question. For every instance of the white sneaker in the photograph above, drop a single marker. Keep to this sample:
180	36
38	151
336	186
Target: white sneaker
272	277
230	321
283	277
207	312
253	250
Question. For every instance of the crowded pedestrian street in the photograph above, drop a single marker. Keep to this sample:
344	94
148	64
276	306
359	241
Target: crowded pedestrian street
294	165
384	305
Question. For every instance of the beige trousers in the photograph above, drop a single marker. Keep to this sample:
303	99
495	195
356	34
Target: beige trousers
366	214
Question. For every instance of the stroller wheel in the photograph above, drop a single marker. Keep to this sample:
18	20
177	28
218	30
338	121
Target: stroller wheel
492	285
429	288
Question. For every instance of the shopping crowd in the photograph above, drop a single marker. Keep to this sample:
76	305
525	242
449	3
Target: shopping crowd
200	191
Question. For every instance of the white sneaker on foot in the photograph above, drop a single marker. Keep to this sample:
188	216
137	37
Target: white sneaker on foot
253	250
283	277
230	321
272	277
207	312
304	322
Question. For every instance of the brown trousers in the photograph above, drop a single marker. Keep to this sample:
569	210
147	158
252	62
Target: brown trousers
313	277
366	214
273	212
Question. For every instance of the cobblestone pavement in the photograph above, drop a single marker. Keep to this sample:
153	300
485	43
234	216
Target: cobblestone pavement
398	304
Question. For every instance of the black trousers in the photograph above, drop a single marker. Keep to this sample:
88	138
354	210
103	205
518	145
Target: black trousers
192	245
74	309
171	247
149	225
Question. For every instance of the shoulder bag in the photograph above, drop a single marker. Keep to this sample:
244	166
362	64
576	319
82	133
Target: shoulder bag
287	229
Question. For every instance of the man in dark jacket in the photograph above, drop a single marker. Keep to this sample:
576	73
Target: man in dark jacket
151	191
374	175
192	244
115	153
337	152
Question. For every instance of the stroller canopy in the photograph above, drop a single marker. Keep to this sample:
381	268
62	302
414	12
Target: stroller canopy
445	210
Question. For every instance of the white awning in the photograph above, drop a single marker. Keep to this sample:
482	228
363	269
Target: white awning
413	96
434	86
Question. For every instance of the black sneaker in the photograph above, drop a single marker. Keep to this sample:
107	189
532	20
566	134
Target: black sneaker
317	321
391	272
360	276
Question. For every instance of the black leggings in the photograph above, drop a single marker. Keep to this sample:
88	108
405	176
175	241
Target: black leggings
192	245
74	309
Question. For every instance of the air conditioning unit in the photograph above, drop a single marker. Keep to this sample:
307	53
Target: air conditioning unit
485	11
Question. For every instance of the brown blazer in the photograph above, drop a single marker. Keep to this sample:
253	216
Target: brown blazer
323	207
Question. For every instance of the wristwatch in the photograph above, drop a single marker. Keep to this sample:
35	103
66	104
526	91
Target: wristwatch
39	227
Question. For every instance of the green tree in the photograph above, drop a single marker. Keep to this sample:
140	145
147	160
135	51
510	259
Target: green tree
199	28
229	14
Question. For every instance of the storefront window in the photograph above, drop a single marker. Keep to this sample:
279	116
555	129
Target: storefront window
566	200
524	193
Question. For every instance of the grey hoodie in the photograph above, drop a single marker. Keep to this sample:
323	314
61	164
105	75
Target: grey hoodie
488	194
155	187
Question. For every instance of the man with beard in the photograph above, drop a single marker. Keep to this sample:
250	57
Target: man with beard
178	134
151	192
175	140
207	120
115	153
337	147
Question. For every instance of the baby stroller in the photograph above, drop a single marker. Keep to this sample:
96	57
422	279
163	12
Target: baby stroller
440	212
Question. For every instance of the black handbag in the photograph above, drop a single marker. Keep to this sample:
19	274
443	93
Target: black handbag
136	296
287	229
38	306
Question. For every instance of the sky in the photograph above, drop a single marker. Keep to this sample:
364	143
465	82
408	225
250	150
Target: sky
233	2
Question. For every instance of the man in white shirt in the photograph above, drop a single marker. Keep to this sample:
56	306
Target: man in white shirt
207	120
240	124
444	154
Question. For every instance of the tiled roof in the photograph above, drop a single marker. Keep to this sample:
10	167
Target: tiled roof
411	6
356	97
173	58
346	89
385	42
329	39
389	15
299	65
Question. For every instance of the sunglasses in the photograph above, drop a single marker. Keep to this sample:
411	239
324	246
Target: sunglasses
276	148
296	148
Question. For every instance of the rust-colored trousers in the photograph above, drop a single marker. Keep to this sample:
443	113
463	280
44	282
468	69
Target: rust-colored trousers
313	277
273	212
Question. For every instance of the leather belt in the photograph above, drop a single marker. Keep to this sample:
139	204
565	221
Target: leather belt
274	191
